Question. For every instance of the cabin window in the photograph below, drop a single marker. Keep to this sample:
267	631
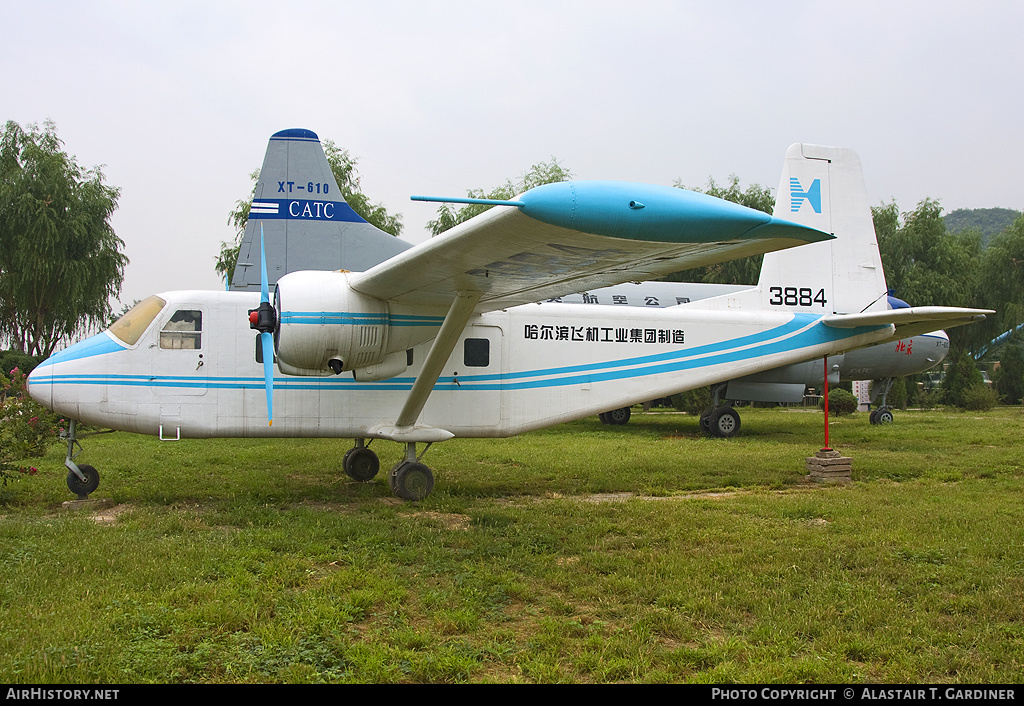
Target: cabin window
130	327
184	330
477	353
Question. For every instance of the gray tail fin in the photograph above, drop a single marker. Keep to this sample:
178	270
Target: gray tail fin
823	187
307	224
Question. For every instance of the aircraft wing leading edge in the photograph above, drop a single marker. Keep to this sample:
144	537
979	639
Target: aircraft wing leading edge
571	236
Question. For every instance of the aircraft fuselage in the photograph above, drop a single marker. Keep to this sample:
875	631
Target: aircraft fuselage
193	371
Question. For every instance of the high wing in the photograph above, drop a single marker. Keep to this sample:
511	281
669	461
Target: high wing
571	236
910	321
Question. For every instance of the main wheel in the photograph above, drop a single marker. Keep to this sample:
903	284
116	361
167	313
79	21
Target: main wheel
82	488
873	417
705	420
360	464
618	416
884	416
411	480
724	422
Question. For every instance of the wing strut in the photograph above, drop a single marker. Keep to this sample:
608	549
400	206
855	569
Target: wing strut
448	335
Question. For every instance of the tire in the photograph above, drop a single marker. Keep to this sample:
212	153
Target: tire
360	464
412	480
724	422
603	416
705	420
873	417
884	416
82	488
618	416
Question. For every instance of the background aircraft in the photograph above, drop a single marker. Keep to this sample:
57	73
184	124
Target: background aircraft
446	339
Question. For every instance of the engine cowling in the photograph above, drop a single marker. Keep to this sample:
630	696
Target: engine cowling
324	327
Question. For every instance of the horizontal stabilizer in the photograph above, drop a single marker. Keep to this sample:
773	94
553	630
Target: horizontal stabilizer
910	321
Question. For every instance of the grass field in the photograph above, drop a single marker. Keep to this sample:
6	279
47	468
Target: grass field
581	553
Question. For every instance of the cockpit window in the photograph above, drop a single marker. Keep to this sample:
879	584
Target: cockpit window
184	330
130	327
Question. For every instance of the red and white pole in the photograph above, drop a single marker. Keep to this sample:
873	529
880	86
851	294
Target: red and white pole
827	447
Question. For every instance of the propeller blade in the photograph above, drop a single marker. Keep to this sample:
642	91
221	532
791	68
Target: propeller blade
264	287
266	338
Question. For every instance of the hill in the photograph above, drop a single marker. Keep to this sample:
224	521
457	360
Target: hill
990	221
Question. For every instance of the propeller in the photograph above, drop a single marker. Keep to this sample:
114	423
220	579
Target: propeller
264	320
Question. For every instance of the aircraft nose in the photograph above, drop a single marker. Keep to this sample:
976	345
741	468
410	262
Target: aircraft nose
40	386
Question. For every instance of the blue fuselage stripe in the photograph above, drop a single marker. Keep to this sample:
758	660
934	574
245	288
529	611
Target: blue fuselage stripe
801	332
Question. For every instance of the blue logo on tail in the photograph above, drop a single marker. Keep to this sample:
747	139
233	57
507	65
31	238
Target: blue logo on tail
797	195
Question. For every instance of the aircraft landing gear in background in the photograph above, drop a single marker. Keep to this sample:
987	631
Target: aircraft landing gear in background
882	415
409	479
616	416
360	463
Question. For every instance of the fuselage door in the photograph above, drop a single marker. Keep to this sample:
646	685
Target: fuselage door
179	357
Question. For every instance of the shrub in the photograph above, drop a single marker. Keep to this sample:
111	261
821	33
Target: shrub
979	398
692	401
961	375
841	402
26	429
9	360
897	398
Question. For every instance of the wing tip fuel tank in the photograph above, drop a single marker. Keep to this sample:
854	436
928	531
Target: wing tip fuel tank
654	213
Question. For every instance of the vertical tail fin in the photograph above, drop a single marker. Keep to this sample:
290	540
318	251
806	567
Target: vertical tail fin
307	223
823	187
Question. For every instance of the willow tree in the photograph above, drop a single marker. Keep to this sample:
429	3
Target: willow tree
60	261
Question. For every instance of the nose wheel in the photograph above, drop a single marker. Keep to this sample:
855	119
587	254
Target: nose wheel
83	479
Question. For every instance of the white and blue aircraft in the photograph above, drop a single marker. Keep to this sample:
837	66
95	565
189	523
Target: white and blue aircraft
446	339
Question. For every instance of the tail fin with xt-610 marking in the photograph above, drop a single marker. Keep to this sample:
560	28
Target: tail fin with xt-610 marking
307	223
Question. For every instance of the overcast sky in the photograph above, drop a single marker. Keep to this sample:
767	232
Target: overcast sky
177	99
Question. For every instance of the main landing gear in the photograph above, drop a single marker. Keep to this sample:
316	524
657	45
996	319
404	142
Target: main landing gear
720	419
723	422
409	479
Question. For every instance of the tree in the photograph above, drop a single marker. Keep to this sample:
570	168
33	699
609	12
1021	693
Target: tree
541	173
745	270
1002	286
343	165
925	264
1009	378
60	261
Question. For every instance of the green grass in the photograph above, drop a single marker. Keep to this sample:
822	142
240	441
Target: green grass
581	553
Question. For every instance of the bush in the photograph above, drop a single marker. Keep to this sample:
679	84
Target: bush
897	398
980	398
9	360
841	402
1009	377
961	375
26	429
692	401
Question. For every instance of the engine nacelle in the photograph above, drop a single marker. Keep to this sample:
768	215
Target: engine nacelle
324	327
